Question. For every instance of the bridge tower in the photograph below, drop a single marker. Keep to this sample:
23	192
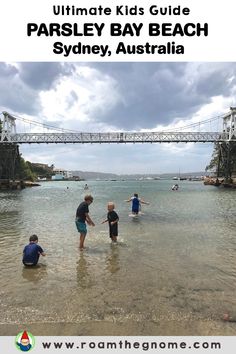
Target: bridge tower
8	126
227	150
9	153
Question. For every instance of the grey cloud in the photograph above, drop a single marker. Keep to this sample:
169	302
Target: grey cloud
71	99
54	124
7	71
43	76
21	84
15	96
218	81
156	93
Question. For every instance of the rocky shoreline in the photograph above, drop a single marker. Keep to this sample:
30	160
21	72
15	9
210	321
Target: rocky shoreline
214	181
6	184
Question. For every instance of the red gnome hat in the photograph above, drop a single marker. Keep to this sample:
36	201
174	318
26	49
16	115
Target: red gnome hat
25	335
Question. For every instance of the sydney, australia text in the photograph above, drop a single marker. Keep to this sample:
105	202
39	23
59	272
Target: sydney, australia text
122	48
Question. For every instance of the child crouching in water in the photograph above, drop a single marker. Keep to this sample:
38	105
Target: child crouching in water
112	219
32	252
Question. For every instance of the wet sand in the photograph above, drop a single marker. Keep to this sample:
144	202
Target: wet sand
128	328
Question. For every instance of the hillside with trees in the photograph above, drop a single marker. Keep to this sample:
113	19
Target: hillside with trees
29	171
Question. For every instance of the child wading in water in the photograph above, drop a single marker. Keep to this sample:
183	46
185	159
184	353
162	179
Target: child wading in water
136	203
112	219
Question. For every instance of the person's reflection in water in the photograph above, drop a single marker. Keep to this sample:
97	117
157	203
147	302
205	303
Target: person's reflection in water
113	259
83	276
34	274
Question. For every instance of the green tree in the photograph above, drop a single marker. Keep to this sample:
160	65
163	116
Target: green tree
41	170
223	160
25	172
213	164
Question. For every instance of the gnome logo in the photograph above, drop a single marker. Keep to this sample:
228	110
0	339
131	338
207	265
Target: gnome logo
25	341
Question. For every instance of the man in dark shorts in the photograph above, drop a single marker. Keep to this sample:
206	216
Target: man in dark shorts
82	216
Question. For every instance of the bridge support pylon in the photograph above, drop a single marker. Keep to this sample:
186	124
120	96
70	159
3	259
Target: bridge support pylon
227	150
9	161
9	152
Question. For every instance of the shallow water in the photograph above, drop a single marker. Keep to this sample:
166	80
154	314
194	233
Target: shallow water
175	264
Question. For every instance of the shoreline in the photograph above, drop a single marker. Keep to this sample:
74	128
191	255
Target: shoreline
216	182
6	184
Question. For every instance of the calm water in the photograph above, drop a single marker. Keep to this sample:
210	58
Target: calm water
172	272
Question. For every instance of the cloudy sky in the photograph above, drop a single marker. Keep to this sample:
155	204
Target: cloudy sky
103	97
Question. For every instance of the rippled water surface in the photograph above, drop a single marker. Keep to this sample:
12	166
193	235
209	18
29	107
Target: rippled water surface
172	272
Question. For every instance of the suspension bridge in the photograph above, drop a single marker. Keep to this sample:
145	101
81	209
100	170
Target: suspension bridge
10	139
9	135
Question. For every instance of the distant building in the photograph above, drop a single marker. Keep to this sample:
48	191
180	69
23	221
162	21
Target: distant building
61	174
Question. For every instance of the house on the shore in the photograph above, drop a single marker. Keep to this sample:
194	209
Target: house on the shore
60	174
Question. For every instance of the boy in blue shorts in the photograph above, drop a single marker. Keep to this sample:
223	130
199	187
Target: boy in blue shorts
82	216
32	252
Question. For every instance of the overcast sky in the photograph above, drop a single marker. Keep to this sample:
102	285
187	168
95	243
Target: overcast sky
93	97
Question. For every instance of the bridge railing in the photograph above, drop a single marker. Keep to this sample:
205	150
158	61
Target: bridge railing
117	137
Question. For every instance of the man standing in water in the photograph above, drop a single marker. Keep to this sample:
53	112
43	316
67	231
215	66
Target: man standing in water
82	216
